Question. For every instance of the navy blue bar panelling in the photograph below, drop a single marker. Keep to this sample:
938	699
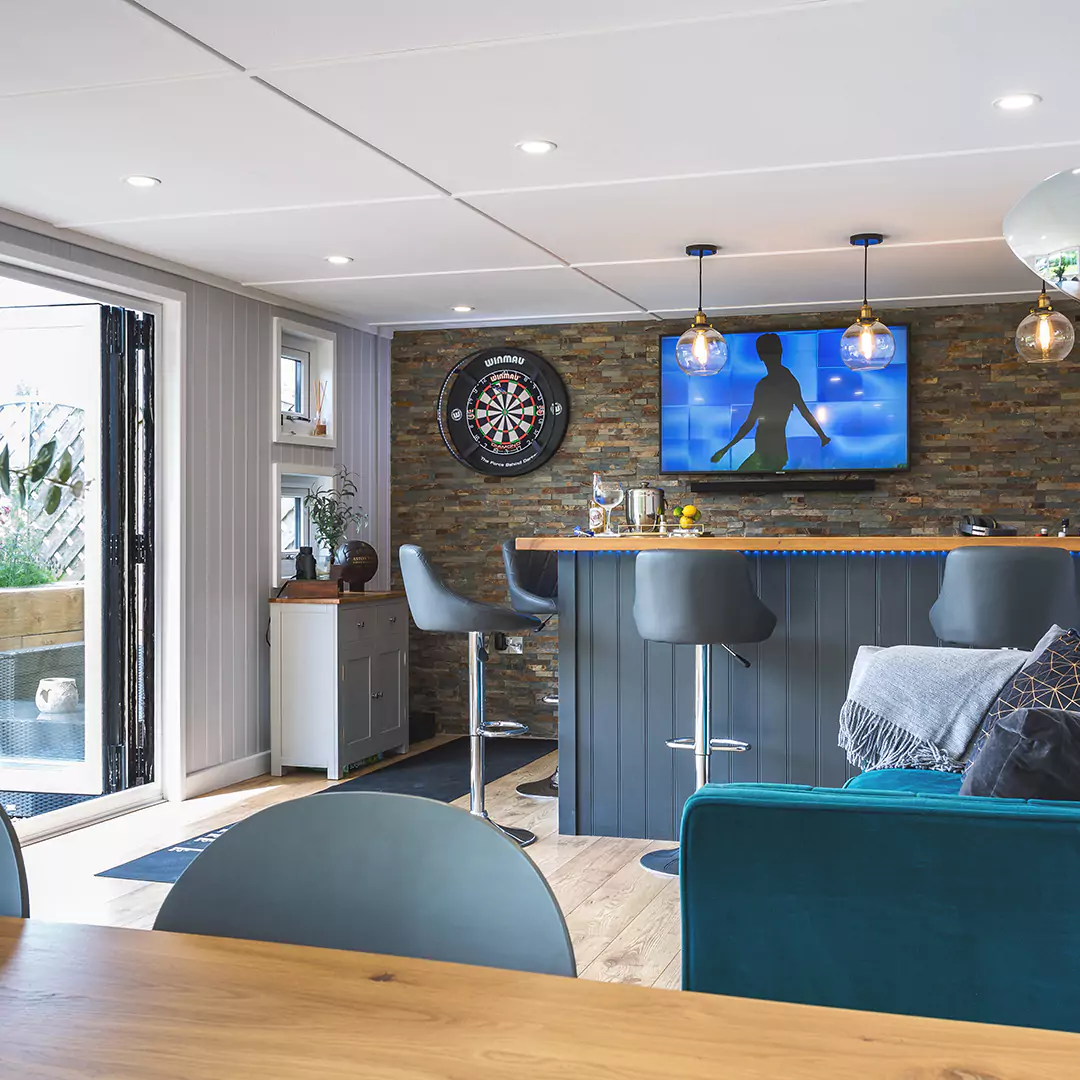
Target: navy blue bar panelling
621	698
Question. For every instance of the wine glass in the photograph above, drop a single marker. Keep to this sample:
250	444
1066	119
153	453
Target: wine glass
610	495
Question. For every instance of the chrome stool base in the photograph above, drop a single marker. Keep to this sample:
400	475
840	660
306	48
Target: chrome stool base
548	788
664	862
522	837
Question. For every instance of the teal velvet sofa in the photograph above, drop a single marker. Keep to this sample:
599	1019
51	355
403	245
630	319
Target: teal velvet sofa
894	894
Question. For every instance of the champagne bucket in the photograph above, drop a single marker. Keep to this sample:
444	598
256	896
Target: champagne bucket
644	505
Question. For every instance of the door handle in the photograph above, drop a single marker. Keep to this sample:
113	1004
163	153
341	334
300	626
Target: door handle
377	695
361	624
393	618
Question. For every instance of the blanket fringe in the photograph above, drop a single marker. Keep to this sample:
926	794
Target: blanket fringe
871	742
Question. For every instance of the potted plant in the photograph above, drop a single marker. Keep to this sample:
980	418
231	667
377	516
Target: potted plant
332	512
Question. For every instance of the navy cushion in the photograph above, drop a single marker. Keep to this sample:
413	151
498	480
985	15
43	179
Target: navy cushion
1050	681
1030	754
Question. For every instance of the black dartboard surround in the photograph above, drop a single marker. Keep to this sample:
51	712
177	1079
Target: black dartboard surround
503	412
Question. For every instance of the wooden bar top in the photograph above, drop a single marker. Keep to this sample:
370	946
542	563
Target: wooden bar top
96	1001
825	544
340	598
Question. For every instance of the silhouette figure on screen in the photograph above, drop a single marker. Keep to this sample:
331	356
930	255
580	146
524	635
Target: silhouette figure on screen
774	398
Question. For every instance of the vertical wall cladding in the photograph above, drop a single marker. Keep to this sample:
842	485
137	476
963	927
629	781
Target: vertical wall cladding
988	431
227	481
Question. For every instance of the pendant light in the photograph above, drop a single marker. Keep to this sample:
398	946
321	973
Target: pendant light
701	350
867	345
1045	334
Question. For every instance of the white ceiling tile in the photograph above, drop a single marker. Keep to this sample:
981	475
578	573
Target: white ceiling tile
385	238
216	144
261	33
769	91
937	199
62	44
521	295
826	279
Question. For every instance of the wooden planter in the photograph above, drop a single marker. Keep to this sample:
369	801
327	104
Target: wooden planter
40	615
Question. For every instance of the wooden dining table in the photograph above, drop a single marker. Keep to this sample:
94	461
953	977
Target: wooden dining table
112	1004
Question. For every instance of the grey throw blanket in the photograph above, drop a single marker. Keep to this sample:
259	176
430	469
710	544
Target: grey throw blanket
919	707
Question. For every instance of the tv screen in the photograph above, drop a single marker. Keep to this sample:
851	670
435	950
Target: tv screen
784	402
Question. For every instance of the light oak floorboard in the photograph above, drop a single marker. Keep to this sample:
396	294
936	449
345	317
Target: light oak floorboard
623	920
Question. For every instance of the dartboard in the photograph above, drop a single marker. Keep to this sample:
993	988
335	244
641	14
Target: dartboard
503	411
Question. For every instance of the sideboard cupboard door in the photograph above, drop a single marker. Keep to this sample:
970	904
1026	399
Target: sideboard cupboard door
355	708
389	675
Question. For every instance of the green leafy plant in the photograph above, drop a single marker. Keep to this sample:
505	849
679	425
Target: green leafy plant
21	561
332	512
25	479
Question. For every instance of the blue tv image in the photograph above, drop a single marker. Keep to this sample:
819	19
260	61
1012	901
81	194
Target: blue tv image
785	402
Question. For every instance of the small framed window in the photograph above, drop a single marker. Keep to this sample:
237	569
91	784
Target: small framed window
295	378
293	524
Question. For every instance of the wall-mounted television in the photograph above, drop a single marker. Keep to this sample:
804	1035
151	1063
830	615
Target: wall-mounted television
785	402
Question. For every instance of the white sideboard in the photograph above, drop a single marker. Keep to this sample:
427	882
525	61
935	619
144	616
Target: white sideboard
339	680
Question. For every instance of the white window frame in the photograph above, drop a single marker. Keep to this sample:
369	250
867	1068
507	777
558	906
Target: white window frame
289	481
290	337
303	358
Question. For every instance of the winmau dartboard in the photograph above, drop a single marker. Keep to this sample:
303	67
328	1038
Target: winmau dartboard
503	412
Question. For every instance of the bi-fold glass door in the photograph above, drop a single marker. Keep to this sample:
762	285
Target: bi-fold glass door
76	553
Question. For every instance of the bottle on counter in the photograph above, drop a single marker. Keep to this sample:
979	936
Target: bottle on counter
596	511
1063	528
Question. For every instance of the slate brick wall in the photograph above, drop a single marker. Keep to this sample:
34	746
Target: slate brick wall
988	432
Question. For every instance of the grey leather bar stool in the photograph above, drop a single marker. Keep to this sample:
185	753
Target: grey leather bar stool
997	597
435	606
533	580
699	598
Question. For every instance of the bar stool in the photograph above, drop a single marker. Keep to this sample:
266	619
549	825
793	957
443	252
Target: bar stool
699	598
533	580
434	606
997	597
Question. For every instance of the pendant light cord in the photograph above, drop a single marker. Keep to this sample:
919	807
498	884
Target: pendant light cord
700	260
865	256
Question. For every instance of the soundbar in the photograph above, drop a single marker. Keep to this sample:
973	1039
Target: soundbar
780	484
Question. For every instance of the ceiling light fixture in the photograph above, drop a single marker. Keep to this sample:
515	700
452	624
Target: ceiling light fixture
701	350
537	146
867	345
1016	102
1045	334
462	308
142	181
339	260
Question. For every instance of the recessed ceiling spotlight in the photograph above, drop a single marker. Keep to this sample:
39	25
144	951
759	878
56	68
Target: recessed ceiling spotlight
1076	172
142	181
537	146
339	260
1014	102
462	308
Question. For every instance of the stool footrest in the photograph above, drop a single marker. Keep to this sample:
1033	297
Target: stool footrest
681	744
503	729
734	746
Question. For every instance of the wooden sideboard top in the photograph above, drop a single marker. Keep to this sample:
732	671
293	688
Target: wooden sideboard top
645	542
340	598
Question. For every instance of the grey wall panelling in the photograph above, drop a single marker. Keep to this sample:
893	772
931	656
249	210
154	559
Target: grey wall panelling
621	698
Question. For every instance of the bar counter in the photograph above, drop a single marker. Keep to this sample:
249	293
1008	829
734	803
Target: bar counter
620	697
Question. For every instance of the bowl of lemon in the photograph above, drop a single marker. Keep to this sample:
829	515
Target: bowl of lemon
687	521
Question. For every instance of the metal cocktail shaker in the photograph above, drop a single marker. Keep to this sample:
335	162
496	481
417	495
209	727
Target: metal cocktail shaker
644	505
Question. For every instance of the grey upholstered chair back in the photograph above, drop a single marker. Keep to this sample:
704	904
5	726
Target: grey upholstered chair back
14	894
435	606
533	579
377	873
1004	597
698	598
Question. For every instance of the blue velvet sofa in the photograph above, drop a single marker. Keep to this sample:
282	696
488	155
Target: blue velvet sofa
894	894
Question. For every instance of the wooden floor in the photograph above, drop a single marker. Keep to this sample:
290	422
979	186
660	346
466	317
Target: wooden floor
623	920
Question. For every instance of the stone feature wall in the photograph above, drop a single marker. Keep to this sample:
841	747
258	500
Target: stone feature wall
989	433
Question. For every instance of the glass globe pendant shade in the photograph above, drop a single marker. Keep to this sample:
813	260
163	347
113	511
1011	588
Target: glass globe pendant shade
701	350
1045	335
867	344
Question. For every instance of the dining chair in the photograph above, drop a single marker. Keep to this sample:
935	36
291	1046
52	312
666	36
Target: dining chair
377	873
14	891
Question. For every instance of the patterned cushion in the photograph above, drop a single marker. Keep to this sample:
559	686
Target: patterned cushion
1050	681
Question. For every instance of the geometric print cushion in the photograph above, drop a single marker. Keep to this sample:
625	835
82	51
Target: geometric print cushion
1051	681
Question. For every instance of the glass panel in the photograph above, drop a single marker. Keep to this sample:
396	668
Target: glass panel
50	558
292	371
291	520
